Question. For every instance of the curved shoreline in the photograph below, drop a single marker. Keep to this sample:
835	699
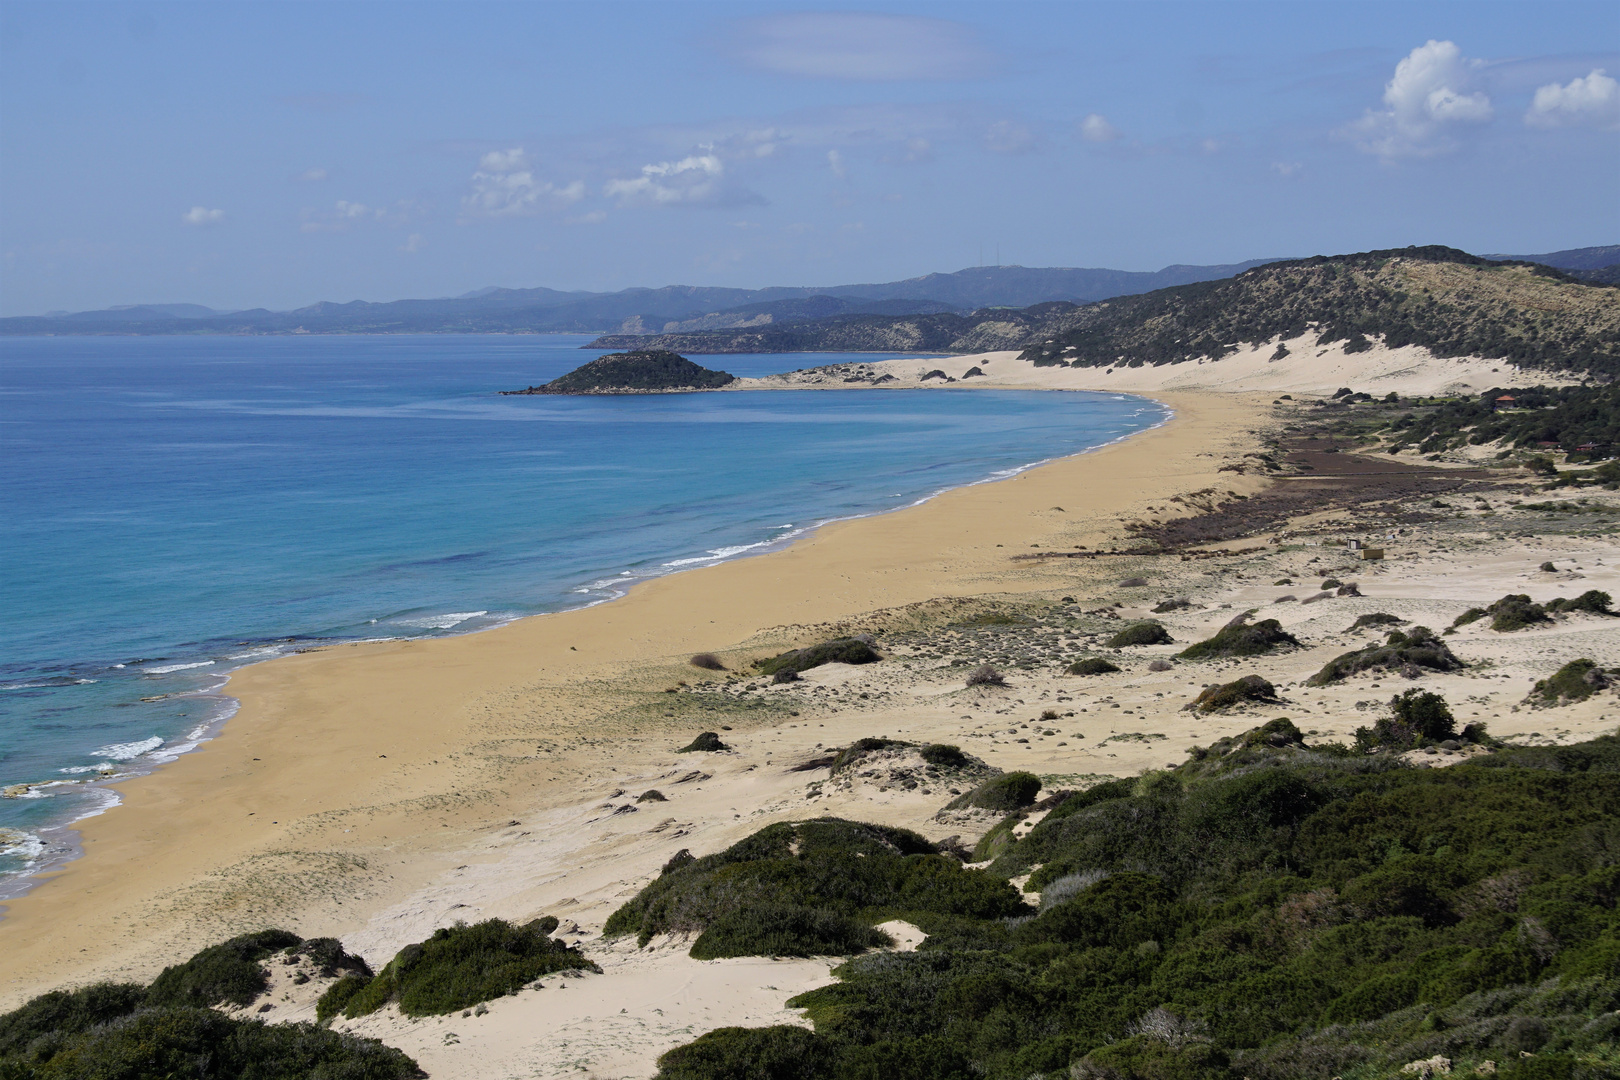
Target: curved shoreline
62	837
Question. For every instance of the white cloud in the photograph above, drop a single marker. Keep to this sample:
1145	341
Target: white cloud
202	216
505	186
1286	168
1591	101
918	149
860	45
1096	128
312	176
1424	101
694	179
595	217
412	244
835	162
1008	137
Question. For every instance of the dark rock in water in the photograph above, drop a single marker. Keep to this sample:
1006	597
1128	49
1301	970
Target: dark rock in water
649	371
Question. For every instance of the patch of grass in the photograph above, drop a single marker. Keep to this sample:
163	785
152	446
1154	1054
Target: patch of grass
1254	639
1004	793
1250	688
1410	653
461	965
808	888
1093	665
1146	632
1575	681
706	743
996	618
837	651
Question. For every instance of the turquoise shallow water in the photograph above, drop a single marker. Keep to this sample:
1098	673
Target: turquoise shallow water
177	507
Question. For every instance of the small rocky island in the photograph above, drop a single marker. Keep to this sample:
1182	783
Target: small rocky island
642	371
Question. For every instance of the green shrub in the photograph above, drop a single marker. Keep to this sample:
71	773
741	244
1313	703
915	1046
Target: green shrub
1376	618
67	1012
652	795
837	651
945	756
1242	640
1092	665
1146	632
1472	615
338	995
1515	612
774	1053
225	974
1592	601
1575	681
849	756
462	965
838	868
764	929
706	743
707	661
1237	692
1146	1058
1417	718
1003	794
1408	652
155	1044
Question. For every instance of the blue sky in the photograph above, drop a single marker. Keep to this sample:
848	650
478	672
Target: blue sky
274	154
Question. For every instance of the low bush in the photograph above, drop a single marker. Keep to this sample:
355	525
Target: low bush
1133	583
1515	612
652	795
1376	618
707	661
946	756
784	1052
1160	665
1250	688
1592	601
1171	605
849	756
67	1012
1093	665
1417	718
224	974
811	887
1147	632
1575	681
837	651
706	743
1003	794
1409	653
461	965
1253	639
985	675
155	1044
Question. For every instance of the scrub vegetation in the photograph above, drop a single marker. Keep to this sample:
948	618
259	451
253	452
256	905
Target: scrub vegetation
1270	909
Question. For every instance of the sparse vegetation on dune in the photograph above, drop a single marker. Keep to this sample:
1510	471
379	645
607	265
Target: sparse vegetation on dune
1243	691
838	651
1241	639
1575	681
1410	653
1146	632
1271	909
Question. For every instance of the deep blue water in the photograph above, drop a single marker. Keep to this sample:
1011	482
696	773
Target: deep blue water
176	507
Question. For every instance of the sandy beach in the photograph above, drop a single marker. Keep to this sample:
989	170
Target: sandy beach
375	792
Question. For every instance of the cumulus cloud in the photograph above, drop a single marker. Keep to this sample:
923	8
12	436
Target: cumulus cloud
1592	101
1008	137
835	162
1425	101
505	186
1096	128
202	216
860	46
412	244
693	180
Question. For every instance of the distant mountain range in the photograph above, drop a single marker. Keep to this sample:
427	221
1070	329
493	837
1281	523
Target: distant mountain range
681	309
1451	302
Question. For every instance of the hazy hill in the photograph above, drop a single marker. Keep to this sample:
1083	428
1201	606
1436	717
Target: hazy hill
630	310
1454	303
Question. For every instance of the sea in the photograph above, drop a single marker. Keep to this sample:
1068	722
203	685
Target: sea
178	507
